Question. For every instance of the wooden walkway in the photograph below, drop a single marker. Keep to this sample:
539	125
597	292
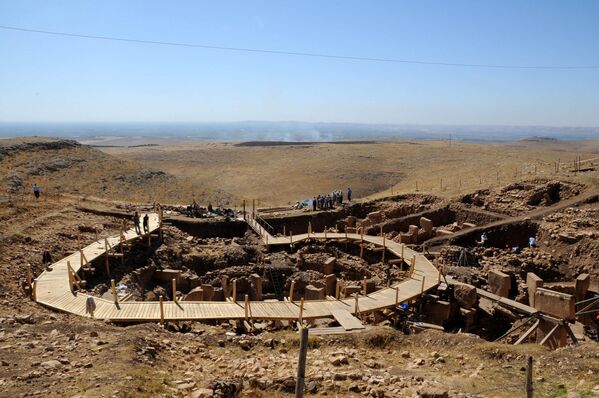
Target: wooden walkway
53	287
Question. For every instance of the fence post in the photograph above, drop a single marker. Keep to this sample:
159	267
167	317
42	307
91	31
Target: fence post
301	311
529	389
301	364
247	306
234	294
291	290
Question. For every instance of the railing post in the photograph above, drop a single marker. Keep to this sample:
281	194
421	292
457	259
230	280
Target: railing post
161	310
396	295
291	289
422	285
247	307
174	286
115	298
234	293
529	389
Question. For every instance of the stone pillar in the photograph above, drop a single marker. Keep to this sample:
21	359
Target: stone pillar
499	283
329	265
208	292
583	282
256	287
533	282
331	284
314	293
556	304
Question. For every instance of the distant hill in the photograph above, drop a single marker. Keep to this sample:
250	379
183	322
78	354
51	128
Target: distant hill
65	166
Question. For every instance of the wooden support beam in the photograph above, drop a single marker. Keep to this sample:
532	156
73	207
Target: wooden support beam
362	250
325	232
548	335
396	296
291	238
284	230
364	286
106	262
174	286
528	332
356	307
422	285
337	288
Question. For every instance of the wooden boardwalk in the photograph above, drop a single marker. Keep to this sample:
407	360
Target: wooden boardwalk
53	287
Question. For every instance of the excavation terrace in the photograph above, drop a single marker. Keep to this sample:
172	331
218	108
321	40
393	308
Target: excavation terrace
413	262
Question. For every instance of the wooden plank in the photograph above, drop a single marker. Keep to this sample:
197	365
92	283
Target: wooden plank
347	320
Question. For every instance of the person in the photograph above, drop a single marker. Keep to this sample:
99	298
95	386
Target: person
314	204
36	191
136	222
210	209
146	223
484	239
349	192
516	249
532	242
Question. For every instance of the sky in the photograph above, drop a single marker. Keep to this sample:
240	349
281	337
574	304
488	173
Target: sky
47	78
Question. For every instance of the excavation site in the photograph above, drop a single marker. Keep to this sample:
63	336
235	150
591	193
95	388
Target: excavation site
490	292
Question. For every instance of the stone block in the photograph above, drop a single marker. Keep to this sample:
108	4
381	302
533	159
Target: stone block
437	312
583	282
331	284
218	295
469	317
370	286
426	224
365	223
413	229
406	238
314	293
349	291
329	265
499	283
376	217
559	305
255	287
465	296
208	292
196	294
351	221
442	232
533	282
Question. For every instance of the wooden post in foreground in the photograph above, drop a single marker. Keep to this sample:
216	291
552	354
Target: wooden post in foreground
301	364
174	282
529	389
113	287
161	310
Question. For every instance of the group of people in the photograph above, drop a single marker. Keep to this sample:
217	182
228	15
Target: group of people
146	223
325	202
532	243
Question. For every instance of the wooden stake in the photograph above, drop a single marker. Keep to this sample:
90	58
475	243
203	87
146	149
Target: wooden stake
362	250
114	295
161	310
396	295
234	294
174	284
529	388
337	289
364	286
33	290
29	274
291	289
301	364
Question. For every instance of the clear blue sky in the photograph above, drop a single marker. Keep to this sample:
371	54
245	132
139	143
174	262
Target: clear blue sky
49	78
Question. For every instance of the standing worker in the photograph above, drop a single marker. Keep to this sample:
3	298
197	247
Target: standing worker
146	224
136	222
36	191
349	194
